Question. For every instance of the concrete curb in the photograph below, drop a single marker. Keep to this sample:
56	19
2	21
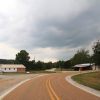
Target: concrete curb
14	87
82	87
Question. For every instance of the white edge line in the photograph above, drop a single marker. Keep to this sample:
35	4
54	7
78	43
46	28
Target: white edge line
17	85
82	87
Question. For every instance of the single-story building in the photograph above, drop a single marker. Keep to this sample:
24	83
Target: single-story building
12	68
87	66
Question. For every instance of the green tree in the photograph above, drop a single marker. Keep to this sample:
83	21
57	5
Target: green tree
32	65
40	65
96	55
22	58
68	64
82	56
48	65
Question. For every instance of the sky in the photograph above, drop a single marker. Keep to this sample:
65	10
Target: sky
48	30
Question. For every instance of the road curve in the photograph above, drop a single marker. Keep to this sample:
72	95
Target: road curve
49	87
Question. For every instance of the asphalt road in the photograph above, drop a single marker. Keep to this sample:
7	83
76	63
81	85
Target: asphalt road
49	87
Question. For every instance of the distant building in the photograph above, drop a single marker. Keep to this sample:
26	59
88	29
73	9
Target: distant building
12	68
87	66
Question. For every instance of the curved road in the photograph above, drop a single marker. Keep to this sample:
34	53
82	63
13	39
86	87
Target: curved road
49	87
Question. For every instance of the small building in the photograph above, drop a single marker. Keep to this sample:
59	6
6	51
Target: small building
12	68
87	66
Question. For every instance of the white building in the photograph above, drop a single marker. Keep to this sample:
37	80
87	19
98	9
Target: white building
12	68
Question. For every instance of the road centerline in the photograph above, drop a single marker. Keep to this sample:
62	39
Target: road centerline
51	91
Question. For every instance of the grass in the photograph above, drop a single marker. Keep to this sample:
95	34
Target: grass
89	79
13	73
42	71
64	69
31	72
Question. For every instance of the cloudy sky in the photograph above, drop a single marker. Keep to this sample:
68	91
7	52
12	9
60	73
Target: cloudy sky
50	30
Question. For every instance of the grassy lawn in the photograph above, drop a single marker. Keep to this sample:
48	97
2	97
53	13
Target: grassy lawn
89	79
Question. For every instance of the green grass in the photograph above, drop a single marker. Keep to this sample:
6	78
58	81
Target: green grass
31	72
42	71
64	69
13	73
89	79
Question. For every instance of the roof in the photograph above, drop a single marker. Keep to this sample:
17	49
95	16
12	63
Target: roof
12	66
83	65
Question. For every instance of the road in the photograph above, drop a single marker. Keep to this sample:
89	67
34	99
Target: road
49	87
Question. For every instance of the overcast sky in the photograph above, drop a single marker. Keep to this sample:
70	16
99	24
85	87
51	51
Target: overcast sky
50	30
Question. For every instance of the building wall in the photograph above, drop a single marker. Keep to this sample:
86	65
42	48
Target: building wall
83	68
97	67
20	69
9	69
12	69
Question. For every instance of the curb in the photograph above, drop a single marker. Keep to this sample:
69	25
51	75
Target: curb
82	87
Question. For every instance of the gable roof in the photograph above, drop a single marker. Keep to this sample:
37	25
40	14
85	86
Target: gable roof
83	65
12	66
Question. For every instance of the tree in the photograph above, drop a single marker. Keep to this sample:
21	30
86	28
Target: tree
68	64
82	56
40	65
96	55
22	58
48	65
32	65
6	61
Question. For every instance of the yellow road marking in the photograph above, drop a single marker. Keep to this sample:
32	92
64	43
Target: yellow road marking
51	91
51	95
57	98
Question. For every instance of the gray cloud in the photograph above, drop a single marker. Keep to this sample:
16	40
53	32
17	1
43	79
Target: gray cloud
79	31
33	24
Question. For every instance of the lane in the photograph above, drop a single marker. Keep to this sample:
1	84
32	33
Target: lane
50	87
34	89
66	91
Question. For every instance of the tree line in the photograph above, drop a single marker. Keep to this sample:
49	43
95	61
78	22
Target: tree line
6	61
81	56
